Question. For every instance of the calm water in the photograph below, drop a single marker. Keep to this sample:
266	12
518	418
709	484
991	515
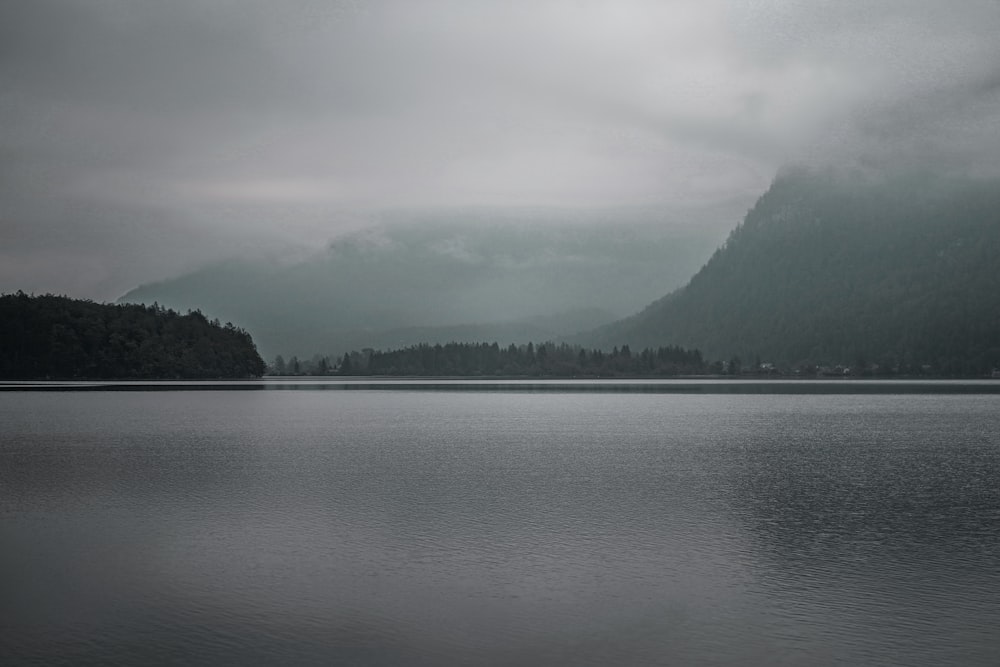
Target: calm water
451	527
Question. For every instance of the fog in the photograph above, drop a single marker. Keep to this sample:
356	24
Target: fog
140	140
507	275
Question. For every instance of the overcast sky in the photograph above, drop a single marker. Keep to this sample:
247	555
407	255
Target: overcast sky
139	139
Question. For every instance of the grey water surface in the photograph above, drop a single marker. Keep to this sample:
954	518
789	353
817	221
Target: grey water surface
411	527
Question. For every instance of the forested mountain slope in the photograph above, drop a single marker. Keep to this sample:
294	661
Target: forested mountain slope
57	337
902	272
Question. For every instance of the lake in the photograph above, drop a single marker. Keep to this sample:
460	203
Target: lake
456	523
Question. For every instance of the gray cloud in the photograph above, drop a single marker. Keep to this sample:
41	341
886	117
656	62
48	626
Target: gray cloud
141	138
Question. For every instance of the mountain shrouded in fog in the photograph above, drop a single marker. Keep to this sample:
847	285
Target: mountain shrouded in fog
829	268
488	278
143	140
173	144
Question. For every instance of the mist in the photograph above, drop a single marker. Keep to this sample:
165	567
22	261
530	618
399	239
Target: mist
143	140
508	275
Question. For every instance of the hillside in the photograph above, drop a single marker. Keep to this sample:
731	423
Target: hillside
58	337
509	279
902	272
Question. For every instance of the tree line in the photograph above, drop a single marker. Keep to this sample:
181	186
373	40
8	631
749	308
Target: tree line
564	360
58	337
490	359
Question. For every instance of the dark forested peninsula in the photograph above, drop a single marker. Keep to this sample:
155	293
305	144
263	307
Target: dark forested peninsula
58	337
890	275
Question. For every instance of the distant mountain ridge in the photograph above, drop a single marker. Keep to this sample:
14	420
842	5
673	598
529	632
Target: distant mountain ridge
440	281
901	272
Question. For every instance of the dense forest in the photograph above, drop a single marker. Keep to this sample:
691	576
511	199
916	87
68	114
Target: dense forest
490	359
58	337
896	275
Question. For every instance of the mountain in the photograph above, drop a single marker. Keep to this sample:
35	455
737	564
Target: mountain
828	268
58	337
509	278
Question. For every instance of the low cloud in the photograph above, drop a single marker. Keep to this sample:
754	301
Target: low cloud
264	123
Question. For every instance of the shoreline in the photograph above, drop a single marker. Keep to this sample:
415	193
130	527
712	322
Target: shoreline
685	385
